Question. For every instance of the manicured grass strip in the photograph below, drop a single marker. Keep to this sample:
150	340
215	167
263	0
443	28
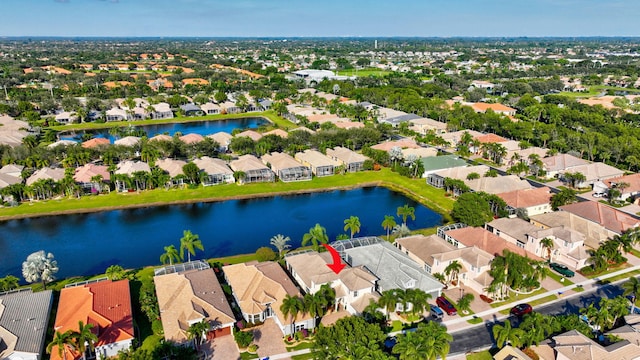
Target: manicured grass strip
269	115
483	355
516	298
557	277
302	345
246	356
308	356
476	320
364	72
413	188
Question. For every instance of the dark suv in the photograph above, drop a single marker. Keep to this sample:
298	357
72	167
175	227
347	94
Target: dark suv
562	269
445	305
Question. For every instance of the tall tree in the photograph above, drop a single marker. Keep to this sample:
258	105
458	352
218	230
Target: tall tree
85	338
292	306
317	235
547	244
505	334
280	242
170	255
350	338
428	342
388	224
564	197
406	211
452	270
62	341
352	224
632	287
198	331
189	243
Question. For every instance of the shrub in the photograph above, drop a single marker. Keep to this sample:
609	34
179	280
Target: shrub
252	348
265	254
156	327
243	338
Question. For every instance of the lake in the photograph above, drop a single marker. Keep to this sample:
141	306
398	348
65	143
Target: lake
86	244
203	128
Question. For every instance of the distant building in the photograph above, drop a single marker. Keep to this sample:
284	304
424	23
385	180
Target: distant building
24	319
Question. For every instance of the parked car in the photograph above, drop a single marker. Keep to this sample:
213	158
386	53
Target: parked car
390	342
594	327
445	305
521	309
436	312
562	269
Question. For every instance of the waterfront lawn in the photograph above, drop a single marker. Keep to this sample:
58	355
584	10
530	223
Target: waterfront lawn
413	188
270	115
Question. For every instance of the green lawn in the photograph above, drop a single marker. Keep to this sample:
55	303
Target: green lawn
269	115
308	356
300	346
364	72
475	320
484	355
246	356
413	188
557	277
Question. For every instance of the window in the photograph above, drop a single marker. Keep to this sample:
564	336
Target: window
520	244
355	293
427	268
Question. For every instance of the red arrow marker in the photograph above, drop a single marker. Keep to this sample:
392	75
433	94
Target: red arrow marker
337	265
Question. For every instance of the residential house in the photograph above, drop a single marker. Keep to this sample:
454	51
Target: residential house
129	141
190	293
351	160
161	111
66	117
453	138
95	142
286	167
24	320
593	172
161	137
437	178
354	286
55	174
484	240
402	144
211	108
277	132
259	290
106	305
498	185
117	114
530	202
594	233
556	164
10	175
253	169
129	168
265	104
496	108
223	139
485	85
229	107
173	167
514	156
394	269
630	191
86	176
511	353
320	164
434	254
609	217
191	138
216	171
436	163
399	119
418	153
573	345
251	134
195	81
191	109
424	125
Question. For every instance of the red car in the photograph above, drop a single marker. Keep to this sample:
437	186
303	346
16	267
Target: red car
445	305
521	310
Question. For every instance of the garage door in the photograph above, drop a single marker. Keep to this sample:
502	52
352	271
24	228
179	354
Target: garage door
219	332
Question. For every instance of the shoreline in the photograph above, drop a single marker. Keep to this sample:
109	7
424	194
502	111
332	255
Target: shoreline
391	186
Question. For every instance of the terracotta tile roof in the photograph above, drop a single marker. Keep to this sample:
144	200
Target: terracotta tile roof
192	138
562	162
497	185
485	240
490	138
633	180
403	144
253	135
95	142
527	197
607	216
171	166
195	81
86	172
115	84
106	304
499	108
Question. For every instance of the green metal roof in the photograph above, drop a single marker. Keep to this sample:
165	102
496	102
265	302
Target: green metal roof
433	163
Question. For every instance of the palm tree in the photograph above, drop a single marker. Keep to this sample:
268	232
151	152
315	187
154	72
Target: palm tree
452	270
410	346
170	255
388	224
352	224
189	242
618	307
280	242
632	287
198	331
83	337
547	243
292	306
62	341
388	301
507	335
316	235
401	230
418	299
405	212
464	304
315	305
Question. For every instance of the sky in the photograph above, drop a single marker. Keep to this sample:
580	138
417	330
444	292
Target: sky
319	18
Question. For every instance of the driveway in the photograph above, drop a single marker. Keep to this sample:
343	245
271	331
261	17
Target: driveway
221	348
268	337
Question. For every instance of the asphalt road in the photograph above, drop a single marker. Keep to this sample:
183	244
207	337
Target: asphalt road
480	337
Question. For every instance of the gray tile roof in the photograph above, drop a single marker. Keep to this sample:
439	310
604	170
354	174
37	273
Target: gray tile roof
25	314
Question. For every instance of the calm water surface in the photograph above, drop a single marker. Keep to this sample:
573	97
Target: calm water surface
86	244
203	128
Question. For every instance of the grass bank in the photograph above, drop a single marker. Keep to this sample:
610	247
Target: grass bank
415	189
269	115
